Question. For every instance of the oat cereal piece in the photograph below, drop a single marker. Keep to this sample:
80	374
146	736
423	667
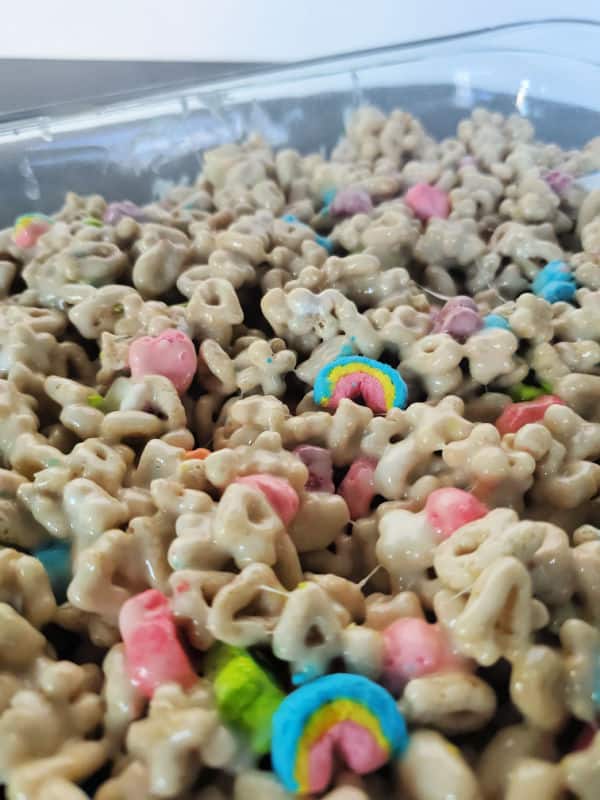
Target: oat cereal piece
264	455
499	615
214	309
124	703
428	429
303	319
532	777
180	730
160	255
453	774
321	518
263	366
51	717
526	246
308	633
389	234
506	750
194	591
580	771
435	359
256	591
400	327
450	702
538	683
405	548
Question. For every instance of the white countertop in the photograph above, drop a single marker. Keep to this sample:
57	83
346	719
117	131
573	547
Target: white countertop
255	30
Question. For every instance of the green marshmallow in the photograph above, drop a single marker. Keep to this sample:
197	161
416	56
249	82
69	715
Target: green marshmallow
523	391
247	696
95	400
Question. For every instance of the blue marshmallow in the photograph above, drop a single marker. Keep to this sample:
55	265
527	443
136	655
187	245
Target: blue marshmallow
554	282
328	196
554	291
322	241
56	559
495	321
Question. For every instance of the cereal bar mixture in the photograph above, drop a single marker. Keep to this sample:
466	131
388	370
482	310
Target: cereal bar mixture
300	480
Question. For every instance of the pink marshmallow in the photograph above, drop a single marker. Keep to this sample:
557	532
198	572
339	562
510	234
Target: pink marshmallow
516	415
141	608
358	487
449	509
459	318
558	180
320	468
412	647
153	652
354	743
348	202
452	303
427	201
28	235
171	354
278	491
115	212
460	324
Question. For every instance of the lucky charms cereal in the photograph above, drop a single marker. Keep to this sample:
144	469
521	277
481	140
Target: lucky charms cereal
300	476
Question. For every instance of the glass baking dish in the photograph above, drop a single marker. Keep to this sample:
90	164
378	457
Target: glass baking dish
136	147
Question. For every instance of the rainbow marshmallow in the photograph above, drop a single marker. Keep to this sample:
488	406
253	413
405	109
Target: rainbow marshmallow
380	386
28	229
345	713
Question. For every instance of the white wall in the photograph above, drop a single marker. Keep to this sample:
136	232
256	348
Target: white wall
260	30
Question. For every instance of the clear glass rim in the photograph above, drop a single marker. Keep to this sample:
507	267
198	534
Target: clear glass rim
95	110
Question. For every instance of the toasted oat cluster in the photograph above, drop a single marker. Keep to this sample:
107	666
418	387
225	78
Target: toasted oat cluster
174	488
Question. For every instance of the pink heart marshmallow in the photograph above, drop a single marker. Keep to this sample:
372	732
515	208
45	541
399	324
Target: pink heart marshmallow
413	647
279	493
115	212
358	487
348	202
171	354
448	509
427	201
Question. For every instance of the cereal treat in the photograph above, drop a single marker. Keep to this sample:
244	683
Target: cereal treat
300	477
